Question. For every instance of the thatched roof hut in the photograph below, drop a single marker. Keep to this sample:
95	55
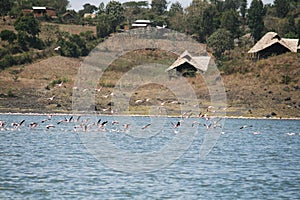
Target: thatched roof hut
272	44
187	65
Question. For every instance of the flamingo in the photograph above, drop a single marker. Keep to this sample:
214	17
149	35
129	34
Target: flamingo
146	126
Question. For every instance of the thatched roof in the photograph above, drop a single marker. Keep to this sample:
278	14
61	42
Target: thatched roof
272	38
199	62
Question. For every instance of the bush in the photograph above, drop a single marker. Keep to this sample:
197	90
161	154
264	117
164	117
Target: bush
285	79
14	49
23	59
10	60
220	41
3	52
7	61
36	43
8	35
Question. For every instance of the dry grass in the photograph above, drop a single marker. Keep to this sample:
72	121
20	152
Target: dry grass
73	29
270	85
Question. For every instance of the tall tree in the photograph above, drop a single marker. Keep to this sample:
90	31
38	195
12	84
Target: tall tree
282	7
5	7
175	8
159	6
115	11
87	8
256	15
104	26
210	21
28	29
220	41
28	24
231	4
243	8
230	21
177	17
200	19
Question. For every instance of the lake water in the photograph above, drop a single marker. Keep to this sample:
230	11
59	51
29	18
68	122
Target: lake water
259	161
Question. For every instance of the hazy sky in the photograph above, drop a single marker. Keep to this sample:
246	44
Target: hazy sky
77	4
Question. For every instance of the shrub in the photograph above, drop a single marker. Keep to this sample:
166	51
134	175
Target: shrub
56	81
7	61
3	52
285	79
8	35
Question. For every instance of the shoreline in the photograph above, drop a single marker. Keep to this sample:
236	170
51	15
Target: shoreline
136	115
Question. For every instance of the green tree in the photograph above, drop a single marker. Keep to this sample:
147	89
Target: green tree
282	7
175	8
87	8
22	39
28	29
5	7
115	12
132	9
101	8
72	45
177	17
256	15
210	21
231	4
28	24
159	6
220	41
243	8
104	26
8	35
230	21
195	16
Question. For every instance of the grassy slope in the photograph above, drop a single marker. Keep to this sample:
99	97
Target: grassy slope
253	89
258	92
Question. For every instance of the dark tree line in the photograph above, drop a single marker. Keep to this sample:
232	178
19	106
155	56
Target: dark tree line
205	20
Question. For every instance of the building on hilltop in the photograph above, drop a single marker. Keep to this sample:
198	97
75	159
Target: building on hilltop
40	11
89	15
272	44
69	17
141	23
188	65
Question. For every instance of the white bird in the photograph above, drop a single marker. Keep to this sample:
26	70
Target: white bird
98	89
161	27
51	98
60	84
57	48
290	134
138	101
162	103
256	132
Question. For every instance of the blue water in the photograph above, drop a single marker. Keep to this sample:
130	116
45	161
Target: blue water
260	161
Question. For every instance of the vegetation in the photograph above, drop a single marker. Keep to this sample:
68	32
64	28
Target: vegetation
202	19
216	23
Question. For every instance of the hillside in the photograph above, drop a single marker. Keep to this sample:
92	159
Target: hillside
262	88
